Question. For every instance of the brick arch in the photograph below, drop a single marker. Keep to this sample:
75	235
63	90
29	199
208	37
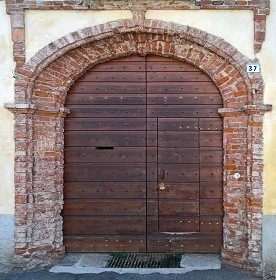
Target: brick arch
220	60
41	89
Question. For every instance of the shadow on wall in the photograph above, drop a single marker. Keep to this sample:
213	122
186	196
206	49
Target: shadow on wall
6	242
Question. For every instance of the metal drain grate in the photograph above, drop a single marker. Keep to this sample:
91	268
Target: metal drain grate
125	260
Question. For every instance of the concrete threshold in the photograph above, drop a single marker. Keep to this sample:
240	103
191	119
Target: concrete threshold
96	263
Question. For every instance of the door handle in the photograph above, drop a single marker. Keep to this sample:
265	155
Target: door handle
162	174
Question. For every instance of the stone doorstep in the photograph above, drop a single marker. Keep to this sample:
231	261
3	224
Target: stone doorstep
95	263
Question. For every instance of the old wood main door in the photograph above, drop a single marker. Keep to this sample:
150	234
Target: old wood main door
143	159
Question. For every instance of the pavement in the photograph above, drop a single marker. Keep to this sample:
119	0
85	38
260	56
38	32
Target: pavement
225	273
92	266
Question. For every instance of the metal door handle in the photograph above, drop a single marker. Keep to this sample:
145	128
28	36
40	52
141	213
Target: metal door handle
162	174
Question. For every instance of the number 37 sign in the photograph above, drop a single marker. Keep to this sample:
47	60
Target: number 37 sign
253	68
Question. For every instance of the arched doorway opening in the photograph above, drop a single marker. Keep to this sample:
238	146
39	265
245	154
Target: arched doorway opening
143	159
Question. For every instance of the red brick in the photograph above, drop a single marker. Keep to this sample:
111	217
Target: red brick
18	34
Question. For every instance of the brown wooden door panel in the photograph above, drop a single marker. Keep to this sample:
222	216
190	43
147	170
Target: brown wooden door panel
109	124
167	66
179	172
152	172
193	243
105	154
105	243
169	208
179	224
178	155
210	124
176	111
211	189
210	207
105	139
152	207
101	99
104	172
97	76
152	155
109	88
84	111
129	59
152	124
180	192
152	138
111	225
104	207
152	189
127	190
120	66
210	138
183	124
137	122
211	173
181	87
211	224
208	155
152	224
187	99
177	139
173	77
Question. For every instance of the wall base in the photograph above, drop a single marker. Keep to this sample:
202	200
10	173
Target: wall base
269	246
6	242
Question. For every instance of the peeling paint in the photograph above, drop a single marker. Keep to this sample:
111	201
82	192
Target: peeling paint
6	118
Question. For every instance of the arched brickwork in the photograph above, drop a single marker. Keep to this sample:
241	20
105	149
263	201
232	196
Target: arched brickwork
41	89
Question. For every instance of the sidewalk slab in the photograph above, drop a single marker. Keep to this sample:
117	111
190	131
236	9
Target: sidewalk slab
96	263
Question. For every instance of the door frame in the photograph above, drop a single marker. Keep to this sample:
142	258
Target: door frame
40	93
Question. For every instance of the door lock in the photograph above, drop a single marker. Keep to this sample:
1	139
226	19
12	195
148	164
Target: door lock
162	174
162	186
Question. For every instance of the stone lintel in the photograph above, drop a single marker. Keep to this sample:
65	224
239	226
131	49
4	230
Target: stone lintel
25	108
246	109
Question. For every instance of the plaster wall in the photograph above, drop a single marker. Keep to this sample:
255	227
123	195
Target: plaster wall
267	58
6	118
43	27
6	143
235	27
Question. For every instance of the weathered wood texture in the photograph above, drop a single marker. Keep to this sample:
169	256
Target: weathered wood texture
136	123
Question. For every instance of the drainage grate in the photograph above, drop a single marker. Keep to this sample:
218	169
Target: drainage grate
125	260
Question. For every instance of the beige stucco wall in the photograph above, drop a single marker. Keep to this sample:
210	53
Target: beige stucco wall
43	27
268	63
6	118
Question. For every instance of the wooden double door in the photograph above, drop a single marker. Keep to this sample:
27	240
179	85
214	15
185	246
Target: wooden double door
143	159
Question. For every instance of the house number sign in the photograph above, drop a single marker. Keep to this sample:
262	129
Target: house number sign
253	68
